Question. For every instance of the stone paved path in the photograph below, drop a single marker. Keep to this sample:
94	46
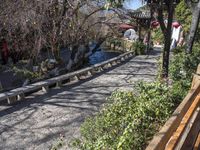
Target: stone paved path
37	122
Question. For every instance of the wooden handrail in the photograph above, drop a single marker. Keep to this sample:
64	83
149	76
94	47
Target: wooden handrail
197	143
183	127
178	134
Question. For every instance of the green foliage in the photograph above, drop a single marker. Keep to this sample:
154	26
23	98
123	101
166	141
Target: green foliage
115	41
114	3
183	65
181	70
58	145
25	73
129	120
139	48
184	15
157	35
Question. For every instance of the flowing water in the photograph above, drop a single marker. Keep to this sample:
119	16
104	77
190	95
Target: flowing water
101	56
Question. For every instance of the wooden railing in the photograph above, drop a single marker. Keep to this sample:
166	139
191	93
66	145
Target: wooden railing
20	93
182	130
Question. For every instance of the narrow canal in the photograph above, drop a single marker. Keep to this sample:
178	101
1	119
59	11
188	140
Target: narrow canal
101	56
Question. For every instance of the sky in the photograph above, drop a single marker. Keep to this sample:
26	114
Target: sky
132	4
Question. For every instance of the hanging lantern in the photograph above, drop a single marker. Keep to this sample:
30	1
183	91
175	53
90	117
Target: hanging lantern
154	24
175	2
126	26
175	24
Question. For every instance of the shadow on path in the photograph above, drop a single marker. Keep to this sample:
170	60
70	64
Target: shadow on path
38	121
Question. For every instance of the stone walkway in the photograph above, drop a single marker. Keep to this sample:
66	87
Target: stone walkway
38	122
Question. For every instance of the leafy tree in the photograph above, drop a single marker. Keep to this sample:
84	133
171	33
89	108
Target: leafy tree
183	15
165	10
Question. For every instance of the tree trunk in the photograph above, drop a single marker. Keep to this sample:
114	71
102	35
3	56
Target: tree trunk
148	40
100	42
193	28
149	33
139	30
167	35
166	53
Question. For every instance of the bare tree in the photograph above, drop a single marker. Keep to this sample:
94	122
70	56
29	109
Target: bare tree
32	25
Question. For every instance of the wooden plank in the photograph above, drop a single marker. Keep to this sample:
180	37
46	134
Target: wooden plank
160	139
179	132
196	76
197	143
193	134
198	70
195	79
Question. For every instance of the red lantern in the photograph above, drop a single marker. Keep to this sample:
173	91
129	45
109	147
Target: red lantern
175	24
154	24
126	26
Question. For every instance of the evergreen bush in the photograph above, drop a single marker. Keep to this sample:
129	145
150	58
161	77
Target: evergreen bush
128	120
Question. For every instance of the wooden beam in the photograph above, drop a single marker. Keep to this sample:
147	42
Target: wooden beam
196	76
195	79
198	70
160	139
197	144
175	139
193	134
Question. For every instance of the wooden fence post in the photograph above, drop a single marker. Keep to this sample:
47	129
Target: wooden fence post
196	76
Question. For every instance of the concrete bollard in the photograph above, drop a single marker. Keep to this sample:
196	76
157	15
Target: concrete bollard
89	73
77	78
12	99
59	84
122	59
100	69
114	63
20	97
45	88
119	61
109	65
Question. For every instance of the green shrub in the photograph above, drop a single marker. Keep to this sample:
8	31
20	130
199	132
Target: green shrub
25	73
128	120
58	144
139	48
157	36
182	67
